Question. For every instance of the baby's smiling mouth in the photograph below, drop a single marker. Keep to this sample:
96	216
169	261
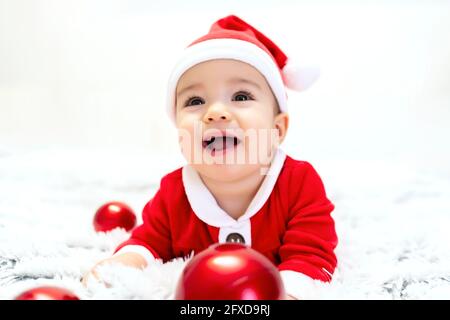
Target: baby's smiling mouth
220	142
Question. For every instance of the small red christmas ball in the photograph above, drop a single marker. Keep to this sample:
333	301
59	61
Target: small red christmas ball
47	293
112	215
230	271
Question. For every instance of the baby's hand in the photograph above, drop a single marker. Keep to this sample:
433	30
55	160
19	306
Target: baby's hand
129	259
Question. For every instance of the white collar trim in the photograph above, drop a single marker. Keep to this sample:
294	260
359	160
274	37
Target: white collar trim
205	205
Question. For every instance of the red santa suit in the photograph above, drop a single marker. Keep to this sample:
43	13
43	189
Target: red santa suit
288	221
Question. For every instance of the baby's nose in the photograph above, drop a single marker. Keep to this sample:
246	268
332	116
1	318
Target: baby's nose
216	114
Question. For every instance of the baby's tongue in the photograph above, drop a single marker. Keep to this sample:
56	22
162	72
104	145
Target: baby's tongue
221	143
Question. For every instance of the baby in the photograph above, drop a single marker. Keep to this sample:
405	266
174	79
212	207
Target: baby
227	97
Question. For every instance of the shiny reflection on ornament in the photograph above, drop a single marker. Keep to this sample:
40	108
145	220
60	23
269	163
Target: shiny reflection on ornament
249	294
228	263
114	208
46	293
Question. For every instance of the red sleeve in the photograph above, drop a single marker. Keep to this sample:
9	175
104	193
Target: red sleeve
310	238
153	233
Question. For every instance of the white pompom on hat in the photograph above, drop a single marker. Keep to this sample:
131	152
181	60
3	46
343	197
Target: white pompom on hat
233	38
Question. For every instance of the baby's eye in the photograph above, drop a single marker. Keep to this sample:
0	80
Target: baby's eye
243	96
194	101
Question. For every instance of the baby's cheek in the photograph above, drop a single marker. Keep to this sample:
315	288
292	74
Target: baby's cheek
185	141
260	143
190	144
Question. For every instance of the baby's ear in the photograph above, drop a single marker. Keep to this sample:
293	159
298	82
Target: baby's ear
281	123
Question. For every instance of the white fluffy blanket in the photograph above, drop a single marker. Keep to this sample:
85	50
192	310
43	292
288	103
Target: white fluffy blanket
392	222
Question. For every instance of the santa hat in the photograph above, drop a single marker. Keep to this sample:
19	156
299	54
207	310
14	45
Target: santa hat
233	38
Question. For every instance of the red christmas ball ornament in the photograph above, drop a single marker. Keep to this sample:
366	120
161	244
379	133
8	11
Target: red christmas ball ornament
114	215
230	271
47	293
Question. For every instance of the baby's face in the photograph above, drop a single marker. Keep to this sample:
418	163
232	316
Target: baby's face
228	119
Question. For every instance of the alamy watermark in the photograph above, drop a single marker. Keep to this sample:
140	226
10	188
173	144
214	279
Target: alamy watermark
230	146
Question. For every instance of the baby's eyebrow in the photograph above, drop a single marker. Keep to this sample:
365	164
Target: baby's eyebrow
243	80
189	87
232	80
